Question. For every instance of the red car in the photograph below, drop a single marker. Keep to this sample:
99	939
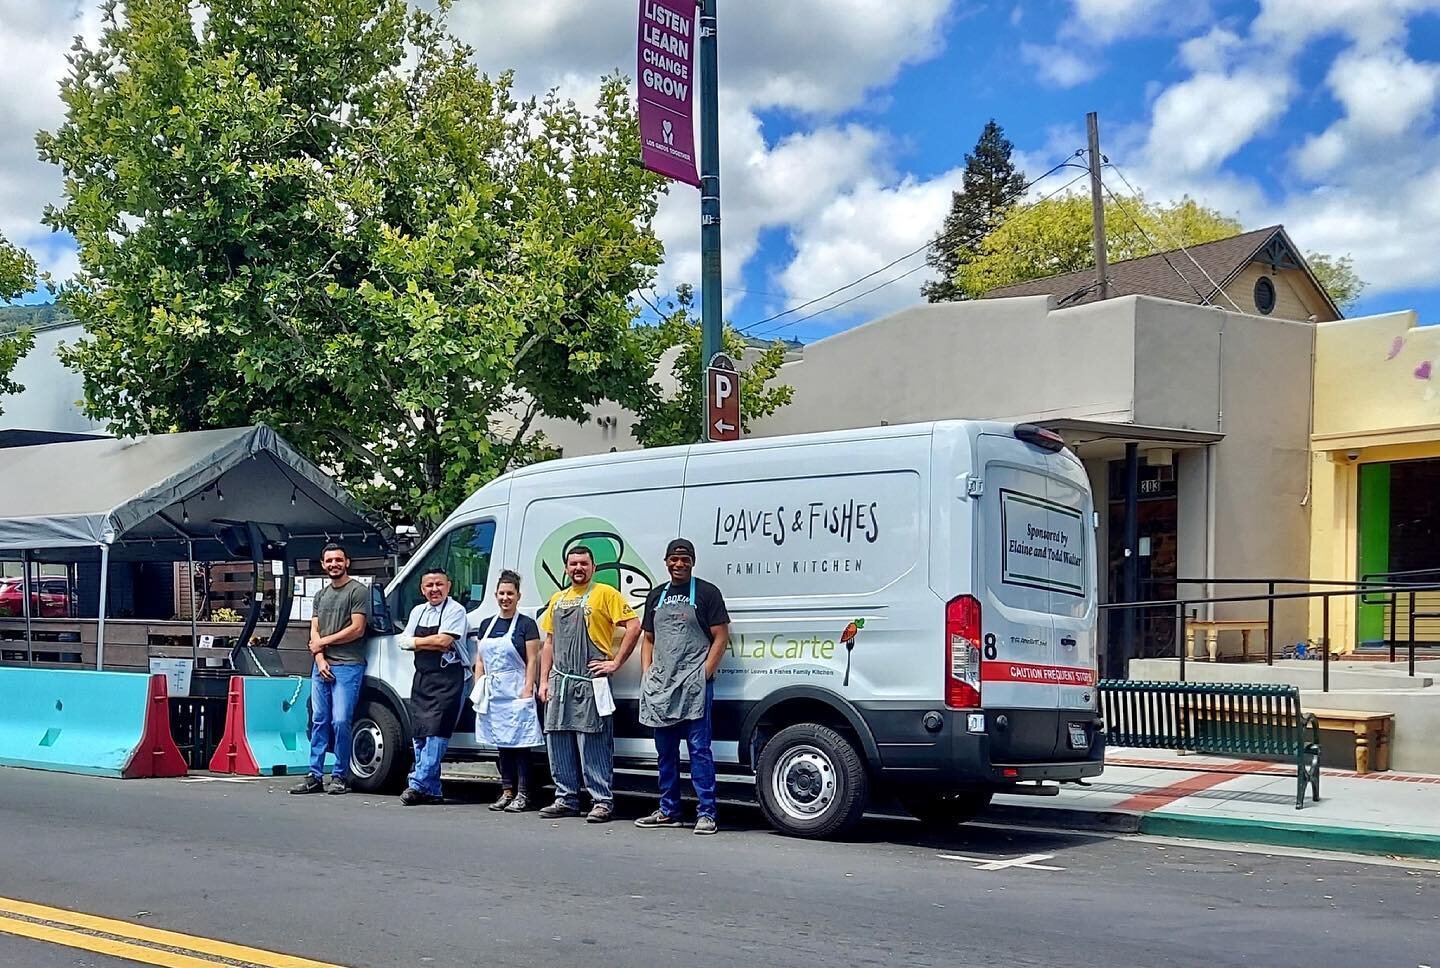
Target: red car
50	597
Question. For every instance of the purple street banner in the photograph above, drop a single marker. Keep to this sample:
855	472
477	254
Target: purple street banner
666	79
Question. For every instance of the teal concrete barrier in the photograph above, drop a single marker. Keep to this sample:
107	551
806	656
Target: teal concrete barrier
265	727
96	723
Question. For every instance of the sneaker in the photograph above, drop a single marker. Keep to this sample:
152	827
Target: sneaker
520	804
311	784
339	786
600	813
658	819
505	800
411	797
705	826
559	809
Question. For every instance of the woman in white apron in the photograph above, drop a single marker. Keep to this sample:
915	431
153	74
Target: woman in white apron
507	665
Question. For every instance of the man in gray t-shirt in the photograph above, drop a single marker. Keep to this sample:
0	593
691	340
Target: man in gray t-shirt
337	641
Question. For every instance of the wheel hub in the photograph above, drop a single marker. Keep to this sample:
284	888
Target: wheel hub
804	784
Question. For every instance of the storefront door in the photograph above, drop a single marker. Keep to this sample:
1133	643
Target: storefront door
1159	511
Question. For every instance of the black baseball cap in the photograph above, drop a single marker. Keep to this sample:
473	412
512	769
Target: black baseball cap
679	545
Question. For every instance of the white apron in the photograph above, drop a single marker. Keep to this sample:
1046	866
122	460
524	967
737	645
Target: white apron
503	718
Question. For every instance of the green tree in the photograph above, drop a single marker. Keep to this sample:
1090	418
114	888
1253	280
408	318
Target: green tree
17	277
990	185
319	214
1053	236
1338	276
674	418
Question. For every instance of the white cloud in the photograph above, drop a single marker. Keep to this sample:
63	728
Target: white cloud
1104	21
857	233
1289	25
1200	122
1212	51
1059	65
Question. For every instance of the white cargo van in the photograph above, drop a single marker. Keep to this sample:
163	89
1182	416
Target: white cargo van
913	607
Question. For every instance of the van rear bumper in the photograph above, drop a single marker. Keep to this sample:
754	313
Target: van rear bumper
1016	745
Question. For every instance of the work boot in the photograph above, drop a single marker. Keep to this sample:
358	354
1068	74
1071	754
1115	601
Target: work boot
559	809
411	797
311	784
505	800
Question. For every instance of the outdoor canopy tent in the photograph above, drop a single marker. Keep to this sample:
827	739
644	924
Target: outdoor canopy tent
216	494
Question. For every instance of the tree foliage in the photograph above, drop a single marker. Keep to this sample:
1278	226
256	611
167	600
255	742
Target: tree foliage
1337	274
320	214
1054	236
990	185
674	417
17	277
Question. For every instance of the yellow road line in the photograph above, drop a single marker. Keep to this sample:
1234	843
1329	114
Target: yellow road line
143	933
104	946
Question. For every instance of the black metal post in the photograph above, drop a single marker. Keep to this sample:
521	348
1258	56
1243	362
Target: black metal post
25	606
1394	604
1270	627
1184	644
1130	573
1325	646
711	305
1411	643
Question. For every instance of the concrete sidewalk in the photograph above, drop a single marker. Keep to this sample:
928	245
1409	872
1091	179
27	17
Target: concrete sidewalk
1212	798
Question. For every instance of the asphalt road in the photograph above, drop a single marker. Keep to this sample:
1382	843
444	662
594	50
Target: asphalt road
361	881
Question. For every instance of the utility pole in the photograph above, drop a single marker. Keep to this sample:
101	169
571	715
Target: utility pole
1097	206
711	304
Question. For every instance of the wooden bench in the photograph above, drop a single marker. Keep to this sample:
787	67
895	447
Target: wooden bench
1371	730
1211	629
1228	719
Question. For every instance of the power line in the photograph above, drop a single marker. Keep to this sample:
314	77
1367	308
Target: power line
1030	208
1178	242
1160	252
890	265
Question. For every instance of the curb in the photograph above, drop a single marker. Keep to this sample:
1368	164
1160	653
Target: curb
1277	833
1272	833
1099	821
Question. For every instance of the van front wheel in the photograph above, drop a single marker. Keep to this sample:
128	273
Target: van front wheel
811	781
380	753
947	809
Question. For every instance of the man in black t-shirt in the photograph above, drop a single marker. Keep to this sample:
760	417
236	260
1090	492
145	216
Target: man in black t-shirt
687	629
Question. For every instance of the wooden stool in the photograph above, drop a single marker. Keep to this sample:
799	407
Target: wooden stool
1371	731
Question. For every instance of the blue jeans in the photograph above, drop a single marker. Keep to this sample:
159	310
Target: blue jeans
696	734
332	706
429	752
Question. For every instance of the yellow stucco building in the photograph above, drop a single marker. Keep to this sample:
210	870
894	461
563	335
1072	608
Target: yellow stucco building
1375	467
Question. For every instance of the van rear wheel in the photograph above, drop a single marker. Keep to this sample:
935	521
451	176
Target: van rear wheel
947	809
811	781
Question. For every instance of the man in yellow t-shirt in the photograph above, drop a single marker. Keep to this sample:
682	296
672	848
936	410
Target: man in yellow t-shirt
576	663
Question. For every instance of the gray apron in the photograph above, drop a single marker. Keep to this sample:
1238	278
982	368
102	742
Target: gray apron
673	690
572	695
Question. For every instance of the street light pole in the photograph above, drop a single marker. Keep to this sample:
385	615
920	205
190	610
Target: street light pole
711	305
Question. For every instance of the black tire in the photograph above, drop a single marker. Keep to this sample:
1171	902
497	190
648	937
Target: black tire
381	754
811	782
947	809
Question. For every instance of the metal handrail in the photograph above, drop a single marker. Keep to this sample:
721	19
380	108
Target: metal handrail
1180	605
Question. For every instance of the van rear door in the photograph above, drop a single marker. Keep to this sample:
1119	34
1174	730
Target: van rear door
1035	588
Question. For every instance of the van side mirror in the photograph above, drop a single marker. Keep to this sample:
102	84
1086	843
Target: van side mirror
381	622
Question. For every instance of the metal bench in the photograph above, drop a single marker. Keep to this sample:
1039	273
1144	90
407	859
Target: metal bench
1228	719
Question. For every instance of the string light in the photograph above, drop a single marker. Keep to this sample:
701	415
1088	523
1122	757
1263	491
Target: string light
184	513
292	497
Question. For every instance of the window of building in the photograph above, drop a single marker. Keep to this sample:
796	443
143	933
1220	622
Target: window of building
1265	295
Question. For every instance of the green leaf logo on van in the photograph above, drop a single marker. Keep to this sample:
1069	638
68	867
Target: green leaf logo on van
616	564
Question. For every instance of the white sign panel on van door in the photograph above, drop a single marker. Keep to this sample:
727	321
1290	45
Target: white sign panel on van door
1044	544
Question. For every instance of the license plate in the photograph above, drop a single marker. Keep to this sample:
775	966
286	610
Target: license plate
1078	739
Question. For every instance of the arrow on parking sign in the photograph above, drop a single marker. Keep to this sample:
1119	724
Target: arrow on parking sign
722	402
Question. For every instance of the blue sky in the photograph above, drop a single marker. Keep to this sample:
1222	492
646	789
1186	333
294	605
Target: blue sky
845	124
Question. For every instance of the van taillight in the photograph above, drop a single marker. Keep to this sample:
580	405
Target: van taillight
962	653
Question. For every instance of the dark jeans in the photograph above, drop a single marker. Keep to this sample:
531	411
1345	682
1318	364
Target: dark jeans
696	734
515	768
